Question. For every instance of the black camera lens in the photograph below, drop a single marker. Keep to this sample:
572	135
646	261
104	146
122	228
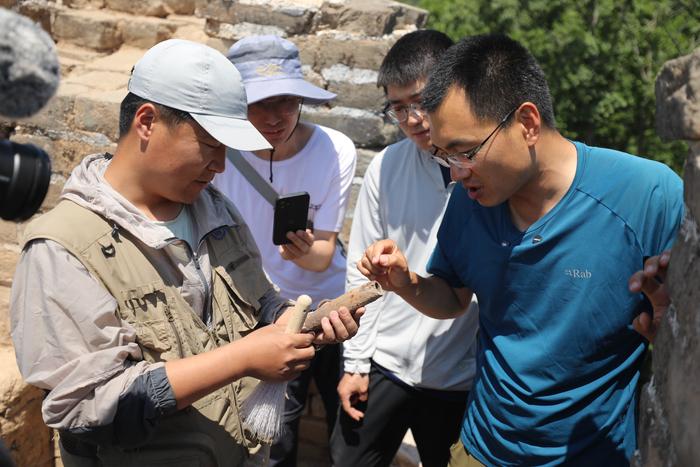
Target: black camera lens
25	173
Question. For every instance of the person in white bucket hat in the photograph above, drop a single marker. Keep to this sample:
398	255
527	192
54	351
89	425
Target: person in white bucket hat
139	300
304	157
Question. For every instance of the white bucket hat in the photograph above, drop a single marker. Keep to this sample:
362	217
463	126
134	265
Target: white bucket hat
199	80
270	66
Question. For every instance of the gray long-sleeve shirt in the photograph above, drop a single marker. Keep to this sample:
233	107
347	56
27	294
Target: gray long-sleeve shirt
68	338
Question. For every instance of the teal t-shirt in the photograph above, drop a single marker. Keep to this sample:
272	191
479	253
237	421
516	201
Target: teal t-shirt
559	361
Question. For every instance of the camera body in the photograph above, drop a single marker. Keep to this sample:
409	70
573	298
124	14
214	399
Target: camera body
25	173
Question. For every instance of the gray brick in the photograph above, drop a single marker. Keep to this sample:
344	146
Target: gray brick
84	4
235	32
99	113
355	87
147	8
365	128
678	98
331	48
93	29
67	149
144	33
57	114
367	17
291	17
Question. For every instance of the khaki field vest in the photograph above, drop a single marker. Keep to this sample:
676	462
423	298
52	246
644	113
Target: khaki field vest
210	431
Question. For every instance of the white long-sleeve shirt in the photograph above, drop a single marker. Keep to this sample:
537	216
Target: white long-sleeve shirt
403	197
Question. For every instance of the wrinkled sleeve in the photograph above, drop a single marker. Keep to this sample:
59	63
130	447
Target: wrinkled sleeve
69	341
367	228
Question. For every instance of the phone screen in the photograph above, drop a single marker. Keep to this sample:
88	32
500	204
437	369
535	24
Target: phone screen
291	214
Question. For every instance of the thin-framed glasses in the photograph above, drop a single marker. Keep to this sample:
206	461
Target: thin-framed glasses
399	114
465	159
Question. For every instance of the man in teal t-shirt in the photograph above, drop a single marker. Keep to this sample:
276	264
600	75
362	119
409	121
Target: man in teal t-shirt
546	232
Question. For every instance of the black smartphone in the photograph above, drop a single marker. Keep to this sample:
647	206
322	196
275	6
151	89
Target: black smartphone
291	214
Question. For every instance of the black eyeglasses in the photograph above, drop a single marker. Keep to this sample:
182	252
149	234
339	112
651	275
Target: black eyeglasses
465	159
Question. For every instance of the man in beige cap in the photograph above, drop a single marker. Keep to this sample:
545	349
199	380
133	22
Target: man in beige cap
138	300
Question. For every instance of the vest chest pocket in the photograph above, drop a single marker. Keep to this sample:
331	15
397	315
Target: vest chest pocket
243	307
238	278
146	309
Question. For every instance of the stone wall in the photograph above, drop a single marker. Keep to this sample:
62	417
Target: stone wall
342	43
669	432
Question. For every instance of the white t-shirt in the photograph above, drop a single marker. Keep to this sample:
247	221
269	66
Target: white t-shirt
324	168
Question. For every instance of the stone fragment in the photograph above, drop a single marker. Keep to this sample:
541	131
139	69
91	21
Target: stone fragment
84	4
8	232
67	149
367	17
5	328
100	80
365	128
670	403
148	8
329	48
180	7
678	98
99	113
364	157
23	430
290	16
94	29
57	114
238	31
8	261
122	60
39	12
144	33
410	17
355	87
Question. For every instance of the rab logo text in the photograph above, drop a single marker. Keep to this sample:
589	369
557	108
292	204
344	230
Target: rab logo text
578	273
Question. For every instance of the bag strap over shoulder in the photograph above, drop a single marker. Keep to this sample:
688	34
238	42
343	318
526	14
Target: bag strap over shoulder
252	175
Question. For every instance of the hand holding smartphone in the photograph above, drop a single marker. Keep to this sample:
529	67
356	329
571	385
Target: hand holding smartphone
291	214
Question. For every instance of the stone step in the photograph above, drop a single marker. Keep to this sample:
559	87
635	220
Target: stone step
157	8
367	18
106	30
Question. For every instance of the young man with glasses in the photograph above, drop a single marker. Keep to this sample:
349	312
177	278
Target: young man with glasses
546	232
403	370
304	157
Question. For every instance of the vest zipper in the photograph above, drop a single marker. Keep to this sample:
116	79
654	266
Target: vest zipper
171	320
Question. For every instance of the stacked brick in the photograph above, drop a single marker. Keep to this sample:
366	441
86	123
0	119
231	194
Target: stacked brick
670	403
342	43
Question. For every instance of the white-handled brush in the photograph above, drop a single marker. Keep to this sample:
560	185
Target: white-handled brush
264	408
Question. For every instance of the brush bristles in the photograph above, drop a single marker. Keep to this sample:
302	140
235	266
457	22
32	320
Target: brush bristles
263	410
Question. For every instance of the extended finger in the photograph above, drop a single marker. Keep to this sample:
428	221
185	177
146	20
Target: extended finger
643	281
644	325
340	325
348	321
328	335
369	269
